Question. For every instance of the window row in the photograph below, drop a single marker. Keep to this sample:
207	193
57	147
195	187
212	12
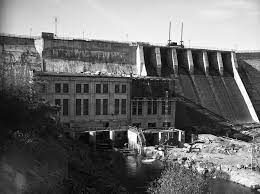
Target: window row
153	125
117	88
64	103
82	107
101	106
152	105
84	88
61	87
117	107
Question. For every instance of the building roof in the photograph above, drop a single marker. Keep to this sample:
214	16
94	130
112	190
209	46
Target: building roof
98	74
66	74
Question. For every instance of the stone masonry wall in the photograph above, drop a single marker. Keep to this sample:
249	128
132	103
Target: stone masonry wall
77	56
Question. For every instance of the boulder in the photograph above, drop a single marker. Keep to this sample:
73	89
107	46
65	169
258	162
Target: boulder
239	166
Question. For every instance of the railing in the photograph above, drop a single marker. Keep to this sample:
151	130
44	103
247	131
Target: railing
248	51
19	36
210	48
77	38
91	39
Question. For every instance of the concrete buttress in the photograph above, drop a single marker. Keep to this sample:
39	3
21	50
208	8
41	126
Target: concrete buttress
158	61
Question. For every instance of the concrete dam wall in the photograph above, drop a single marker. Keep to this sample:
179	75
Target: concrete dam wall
93	56
208	78
249	71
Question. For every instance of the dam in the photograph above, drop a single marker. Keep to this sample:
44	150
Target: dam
102	85
206	77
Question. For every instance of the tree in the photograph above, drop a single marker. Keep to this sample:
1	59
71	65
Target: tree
178	179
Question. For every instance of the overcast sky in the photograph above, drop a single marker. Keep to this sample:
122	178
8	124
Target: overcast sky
211	23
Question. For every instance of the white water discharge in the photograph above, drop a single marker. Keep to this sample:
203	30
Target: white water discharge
140	64
38	43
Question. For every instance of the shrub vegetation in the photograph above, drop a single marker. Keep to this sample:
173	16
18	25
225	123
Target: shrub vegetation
177	179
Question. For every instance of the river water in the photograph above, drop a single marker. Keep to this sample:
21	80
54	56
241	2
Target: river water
135	177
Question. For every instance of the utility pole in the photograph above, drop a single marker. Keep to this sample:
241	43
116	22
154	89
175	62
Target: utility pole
169	40
56	21
181	33
166	108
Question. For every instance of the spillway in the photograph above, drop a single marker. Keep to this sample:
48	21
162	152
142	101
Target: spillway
205	77
206	93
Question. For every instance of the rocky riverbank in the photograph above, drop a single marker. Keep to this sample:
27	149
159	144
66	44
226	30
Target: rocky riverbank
220	157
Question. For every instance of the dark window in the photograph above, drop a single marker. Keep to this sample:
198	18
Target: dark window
85	107
151	125
65	107
57	88
116	106
149	107
117	89
134	108
140	108
57	102
98	88
78	106
123	88
105	106
166	124
42	88
123	106
98	106
105	88
86	88
78	88
65	88
169	108
137	125
106	124
154	107
163	107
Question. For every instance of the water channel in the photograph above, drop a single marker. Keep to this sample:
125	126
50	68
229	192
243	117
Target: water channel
135	177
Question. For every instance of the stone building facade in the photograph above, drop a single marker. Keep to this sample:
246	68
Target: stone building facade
96	102
88	102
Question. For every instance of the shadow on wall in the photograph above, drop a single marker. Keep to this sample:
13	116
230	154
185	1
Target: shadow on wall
151	88
167	63
150	61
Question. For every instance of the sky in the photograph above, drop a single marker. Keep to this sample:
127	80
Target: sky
232	24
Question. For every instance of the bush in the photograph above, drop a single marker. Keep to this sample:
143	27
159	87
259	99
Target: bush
28	115
177	179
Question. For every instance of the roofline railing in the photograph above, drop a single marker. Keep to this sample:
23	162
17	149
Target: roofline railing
19	36
134	43
248	51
